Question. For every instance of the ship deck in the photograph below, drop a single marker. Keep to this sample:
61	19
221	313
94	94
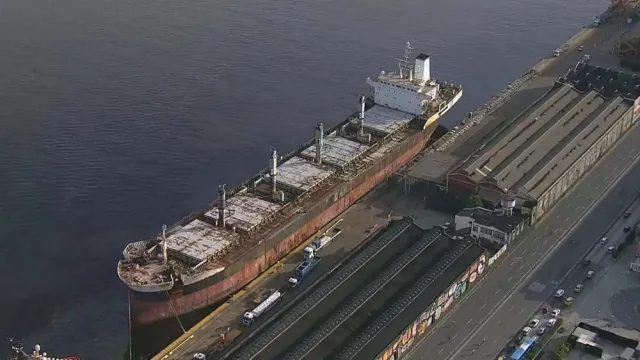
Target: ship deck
357	224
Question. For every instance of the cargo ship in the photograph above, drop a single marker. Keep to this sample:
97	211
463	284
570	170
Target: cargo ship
209	255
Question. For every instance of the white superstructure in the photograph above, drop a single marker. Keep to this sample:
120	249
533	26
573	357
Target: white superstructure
410	90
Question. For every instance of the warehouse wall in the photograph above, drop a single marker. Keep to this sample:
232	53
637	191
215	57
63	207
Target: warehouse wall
584	163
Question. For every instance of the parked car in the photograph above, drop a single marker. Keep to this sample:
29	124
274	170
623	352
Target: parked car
578	288
555	313
568	301
542	330
526	330
627	228
534	322
611	249
604	240
590	274
551	322
559	293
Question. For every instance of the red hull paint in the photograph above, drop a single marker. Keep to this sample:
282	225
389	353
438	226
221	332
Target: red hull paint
146	312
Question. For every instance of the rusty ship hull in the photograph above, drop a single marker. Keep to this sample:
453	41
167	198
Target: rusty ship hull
318	210
210	255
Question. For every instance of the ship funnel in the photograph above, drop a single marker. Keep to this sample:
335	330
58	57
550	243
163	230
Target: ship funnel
273	169
165	259
422	68
319	142
222	198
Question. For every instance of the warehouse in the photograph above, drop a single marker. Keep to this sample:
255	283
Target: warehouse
548	147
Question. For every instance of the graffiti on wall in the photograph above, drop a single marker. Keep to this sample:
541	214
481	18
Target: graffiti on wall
435	311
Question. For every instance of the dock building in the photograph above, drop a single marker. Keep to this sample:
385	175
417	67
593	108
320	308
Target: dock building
551	144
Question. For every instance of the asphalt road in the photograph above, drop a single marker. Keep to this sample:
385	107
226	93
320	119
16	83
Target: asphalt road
601	263
500	305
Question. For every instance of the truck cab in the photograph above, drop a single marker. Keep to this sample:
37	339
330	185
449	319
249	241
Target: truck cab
293	282
309	253
248	318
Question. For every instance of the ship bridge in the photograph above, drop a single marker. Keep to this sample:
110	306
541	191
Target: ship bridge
410	90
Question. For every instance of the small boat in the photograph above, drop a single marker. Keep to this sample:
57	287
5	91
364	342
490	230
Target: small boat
18	353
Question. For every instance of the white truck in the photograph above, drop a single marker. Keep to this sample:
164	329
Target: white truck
250	316
311	251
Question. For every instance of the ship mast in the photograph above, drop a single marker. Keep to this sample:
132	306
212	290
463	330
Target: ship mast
319	142
273	170
164	244
404	64
222	198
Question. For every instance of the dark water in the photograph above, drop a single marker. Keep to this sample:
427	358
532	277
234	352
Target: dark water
119	115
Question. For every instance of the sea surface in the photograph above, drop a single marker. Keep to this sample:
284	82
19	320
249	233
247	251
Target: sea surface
117	116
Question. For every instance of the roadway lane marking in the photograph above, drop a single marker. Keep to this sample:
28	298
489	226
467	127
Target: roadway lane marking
470	319
483	306
498	291
511	308
521	311
454	336
440	351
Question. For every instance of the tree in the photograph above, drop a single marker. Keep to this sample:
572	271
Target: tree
476	200
562	351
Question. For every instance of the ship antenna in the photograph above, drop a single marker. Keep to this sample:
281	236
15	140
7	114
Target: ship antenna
164	244
404	64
